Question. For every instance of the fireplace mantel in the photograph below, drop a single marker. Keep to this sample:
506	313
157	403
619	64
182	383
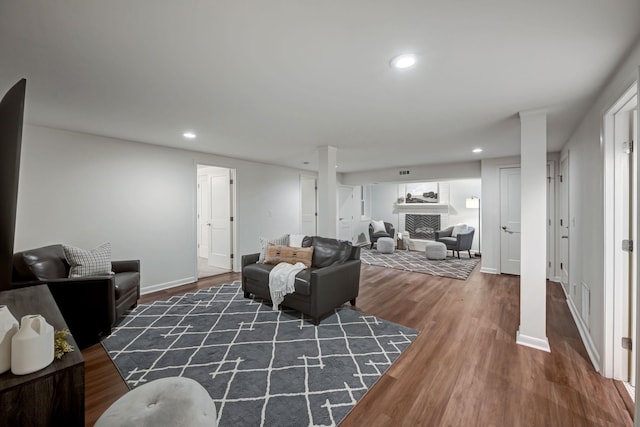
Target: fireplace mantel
421	207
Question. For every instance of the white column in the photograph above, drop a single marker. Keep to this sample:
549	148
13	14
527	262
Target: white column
327	192
533	244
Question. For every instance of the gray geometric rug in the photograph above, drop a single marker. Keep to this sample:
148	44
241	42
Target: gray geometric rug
417	262
262	368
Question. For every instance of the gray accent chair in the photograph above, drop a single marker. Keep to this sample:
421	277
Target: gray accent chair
390	232
461	242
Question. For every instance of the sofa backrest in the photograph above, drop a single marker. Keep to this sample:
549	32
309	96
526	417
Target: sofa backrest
44	263
328	251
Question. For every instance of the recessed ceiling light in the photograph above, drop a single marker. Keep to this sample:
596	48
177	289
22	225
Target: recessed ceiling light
477	150
189	135
403	61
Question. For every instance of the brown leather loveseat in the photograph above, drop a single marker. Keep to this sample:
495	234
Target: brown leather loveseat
332	279
91	306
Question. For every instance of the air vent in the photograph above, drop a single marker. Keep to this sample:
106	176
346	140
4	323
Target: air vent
404	172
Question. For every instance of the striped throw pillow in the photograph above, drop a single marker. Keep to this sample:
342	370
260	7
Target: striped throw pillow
83	263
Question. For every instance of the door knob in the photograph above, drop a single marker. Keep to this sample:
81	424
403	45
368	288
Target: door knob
565	237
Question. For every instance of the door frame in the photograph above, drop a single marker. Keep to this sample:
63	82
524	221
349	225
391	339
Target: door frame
613	354
235	260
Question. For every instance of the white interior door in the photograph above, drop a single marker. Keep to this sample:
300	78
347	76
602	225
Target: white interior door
564	224
220	242
345	213
203	215
510	221
308	208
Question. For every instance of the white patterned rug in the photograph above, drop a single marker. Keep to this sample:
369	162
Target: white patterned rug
417	262
261	367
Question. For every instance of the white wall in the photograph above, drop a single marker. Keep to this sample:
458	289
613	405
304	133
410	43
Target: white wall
83	190
586	204
440	172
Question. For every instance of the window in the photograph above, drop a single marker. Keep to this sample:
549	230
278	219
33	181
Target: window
365	202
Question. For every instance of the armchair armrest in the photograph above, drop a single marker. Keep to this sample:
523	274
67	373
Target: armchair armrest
465	240
249	259
126	266
334	285
87	305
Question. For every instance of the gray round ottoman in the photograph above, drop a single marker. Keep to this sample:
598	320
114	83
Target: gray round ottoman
386	245
173	401
436	251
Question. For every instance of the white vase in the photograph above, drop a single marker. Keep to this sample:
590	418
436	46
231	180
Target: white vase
32	346
8	328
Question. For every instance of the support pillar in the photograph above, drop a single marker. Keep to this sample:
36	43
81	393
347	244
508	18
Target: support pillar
533	239
327	192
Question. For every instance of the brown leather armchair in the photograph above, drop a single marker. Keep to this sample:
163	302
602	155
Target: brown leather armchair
91	306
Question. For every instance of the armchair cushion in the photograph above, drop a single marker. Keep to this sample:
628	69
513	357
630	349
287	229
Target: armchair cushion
378	226
126	283
327	251
277	254
87	263
46	263
264	243
260	273
458	229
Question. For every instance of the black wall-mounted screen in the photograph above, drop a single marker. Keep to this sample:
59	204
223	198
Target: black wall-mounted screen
11	113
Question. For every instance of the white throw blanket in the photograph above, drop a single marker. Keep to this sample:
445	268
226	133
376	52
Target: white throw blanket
282	281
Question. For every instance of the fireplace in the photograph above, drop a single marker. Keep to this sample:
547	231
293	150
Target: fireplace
422	226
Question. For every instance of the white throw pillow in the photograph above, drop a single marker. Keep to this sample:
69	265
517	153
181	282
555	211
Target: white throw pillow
295	240
459	229
378	226
282	241
94	262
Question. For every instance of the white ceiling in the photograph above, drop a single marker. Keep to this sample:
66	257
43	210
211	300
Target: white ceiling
273	80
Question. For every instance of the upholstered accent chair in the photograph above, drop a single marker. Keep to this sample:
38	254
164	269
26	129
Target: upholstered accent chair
390	231
459	242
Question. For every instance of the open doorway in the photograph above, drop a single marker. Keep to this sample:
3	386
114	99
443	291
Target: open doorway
620	132
214	220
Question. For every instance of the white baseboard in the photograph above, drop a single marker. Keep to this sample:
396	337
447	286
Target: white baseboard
555	279
488	270
533	342
584	334
162	286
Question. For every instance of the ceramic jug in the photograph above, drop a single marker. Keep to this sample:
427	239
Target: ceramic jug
8	328
32	346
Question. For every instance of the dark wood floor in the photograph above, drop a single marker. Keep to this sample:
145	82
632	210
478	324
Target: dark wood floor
464	369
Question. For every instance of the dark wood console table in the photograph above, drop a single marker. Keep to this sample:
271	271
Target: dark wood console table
53	396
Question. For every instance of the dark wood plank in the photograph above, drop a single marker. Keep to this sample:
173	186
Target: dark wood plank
463	369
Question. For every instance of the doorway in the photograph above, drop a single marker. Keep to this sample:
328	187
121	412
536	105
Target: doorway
214	220
620	132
